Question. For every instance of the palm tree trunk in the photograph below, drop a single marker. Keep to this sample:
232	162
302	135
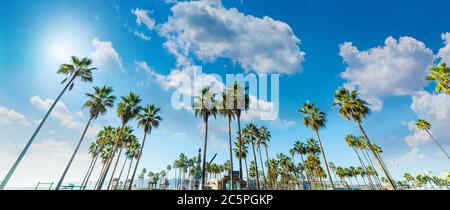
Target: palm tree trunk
364	167
101	175
120	174
89	175
111	157
204	153
138	159
246	170
27	146
262	167
325	159
73	155
231	151
306	171
115	167
383	168
256	165
128	173
440	146
238	115
376	181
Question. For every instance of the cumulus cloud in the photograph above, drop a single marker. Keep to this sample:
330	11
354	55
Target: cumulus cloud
435	108
210	31
143	17
395	69
45	160
105	54
444	53
60	112
10	116
264	110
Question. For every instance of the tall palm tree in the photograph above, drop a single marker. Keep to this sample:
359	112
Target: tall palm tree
94	151
300	148
131	153
315	120
272	173
441	75
148	119
353	142
251	132
105	139
228	111
425	126
241	102
242	153
125	138
77	68
264	139
353	107
205	107
129	142
127	110
99	102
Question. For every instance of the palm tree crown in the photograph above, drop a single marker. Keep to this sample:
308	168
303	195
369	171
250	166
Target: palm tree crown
77	68
441	75
313	117
205	104
350	105
423	125
129	107
149	118
99	101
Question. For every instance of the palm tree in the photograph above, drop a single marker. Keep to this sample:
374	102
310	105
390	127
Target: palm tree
242	153
126	137
241	101
228	111
77	68
441	75
127	110
99	102
251	132
409	178
94	151
315	119
353	107
272	173
354	143
128	142
341	173
263	140
148	119
205	107
425	126
131	153
300	148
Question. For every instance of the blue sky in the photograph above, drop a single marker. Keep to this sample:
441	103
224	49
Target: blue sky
36	37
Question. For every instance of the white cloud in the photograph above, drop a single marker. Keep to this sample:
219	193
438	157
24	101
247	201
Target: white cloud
105	54
262	110
142	36
45	162
444	53
10	116
434	108
143	17
210	31
60	112
395	69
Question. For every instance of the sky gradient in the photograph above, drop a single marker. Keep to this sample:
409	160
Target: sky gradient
381	48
